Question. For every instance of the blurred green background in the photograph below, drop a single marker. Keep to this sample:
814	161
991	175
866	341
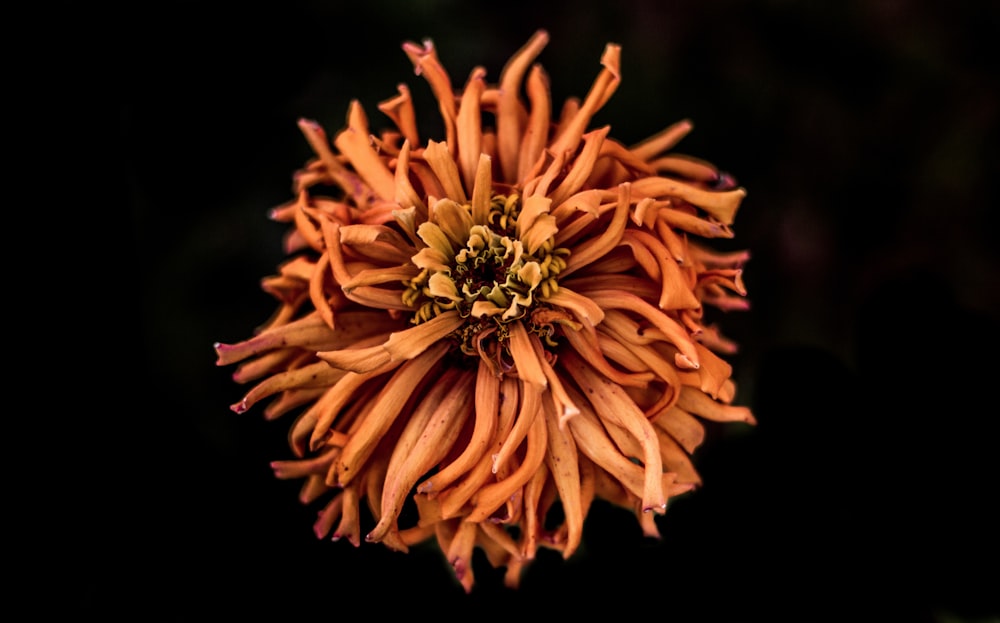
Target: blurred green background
866	136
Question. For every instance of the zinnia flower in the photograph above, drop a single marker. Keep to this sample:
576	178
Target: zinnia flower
482	336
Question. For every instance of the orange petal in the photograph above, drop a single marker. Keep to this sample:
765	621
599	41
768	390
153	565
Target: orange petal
482	191
425	62
468	127
444	167
509	132
487	404
383	412
536	133
414	341
659	143
594	248
720	204
701	404
583	164
400	110
355	143
604	86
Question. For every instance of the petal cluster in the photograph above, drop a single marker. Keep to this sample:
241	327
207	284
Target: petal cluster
482	336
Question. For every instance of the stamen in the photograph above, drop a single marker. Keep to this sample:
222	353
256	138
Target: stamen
477	263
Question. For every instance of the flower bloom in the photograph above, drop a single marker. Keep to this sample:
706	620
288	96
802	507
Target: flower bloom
482	336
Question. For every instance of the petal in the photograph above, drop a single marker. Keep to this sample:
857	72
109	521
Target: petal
673	331
686	166
661	142
565	407
588	346
482	191
315	375
400	110
522	349
358	360
454	220
580	306
459	554
487	404
406	195
455	498
308	331
720	204
494	495
604	86
377	242
536	134
379	298
594	248
682	426
426	437
674	293
355	143
441	285
444	167
583	164
509	132
593	442
701	404
383	412
433	259
612	404
425	62
532	208
468	127
564	465
436	238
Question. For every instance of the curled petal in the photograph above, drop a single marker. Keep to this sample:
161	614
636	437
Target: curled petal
598	247
383	413
720	204
400	110
492	496
355	143
446	170
469	130
701	404
604	86
509	131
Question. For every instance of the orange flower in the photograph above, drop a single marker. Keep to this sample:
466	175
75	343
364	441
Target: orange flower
491	327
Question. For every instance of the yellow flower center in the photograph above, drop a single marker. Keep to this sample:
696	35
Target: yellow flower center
485	272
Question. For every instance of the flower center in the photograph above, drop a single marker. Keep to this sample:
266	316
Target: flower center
490	277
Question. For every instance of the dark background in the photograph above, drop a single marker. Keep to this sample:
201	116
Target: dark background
866	136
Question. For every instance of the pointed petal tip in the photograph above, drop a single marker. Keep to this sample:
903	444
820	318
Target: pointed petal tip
685	363
658	508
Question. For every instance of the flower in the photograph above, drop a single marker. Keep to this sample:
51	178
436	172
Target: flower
482	333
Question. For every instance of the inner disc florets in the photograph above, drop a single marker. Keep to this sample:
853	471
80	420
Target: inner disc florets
491	278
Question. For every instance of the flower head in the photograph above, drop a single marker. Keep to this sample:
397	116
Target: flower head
498	324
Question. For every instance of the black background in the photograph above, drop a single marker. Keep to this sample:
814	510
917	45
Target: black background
866	136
